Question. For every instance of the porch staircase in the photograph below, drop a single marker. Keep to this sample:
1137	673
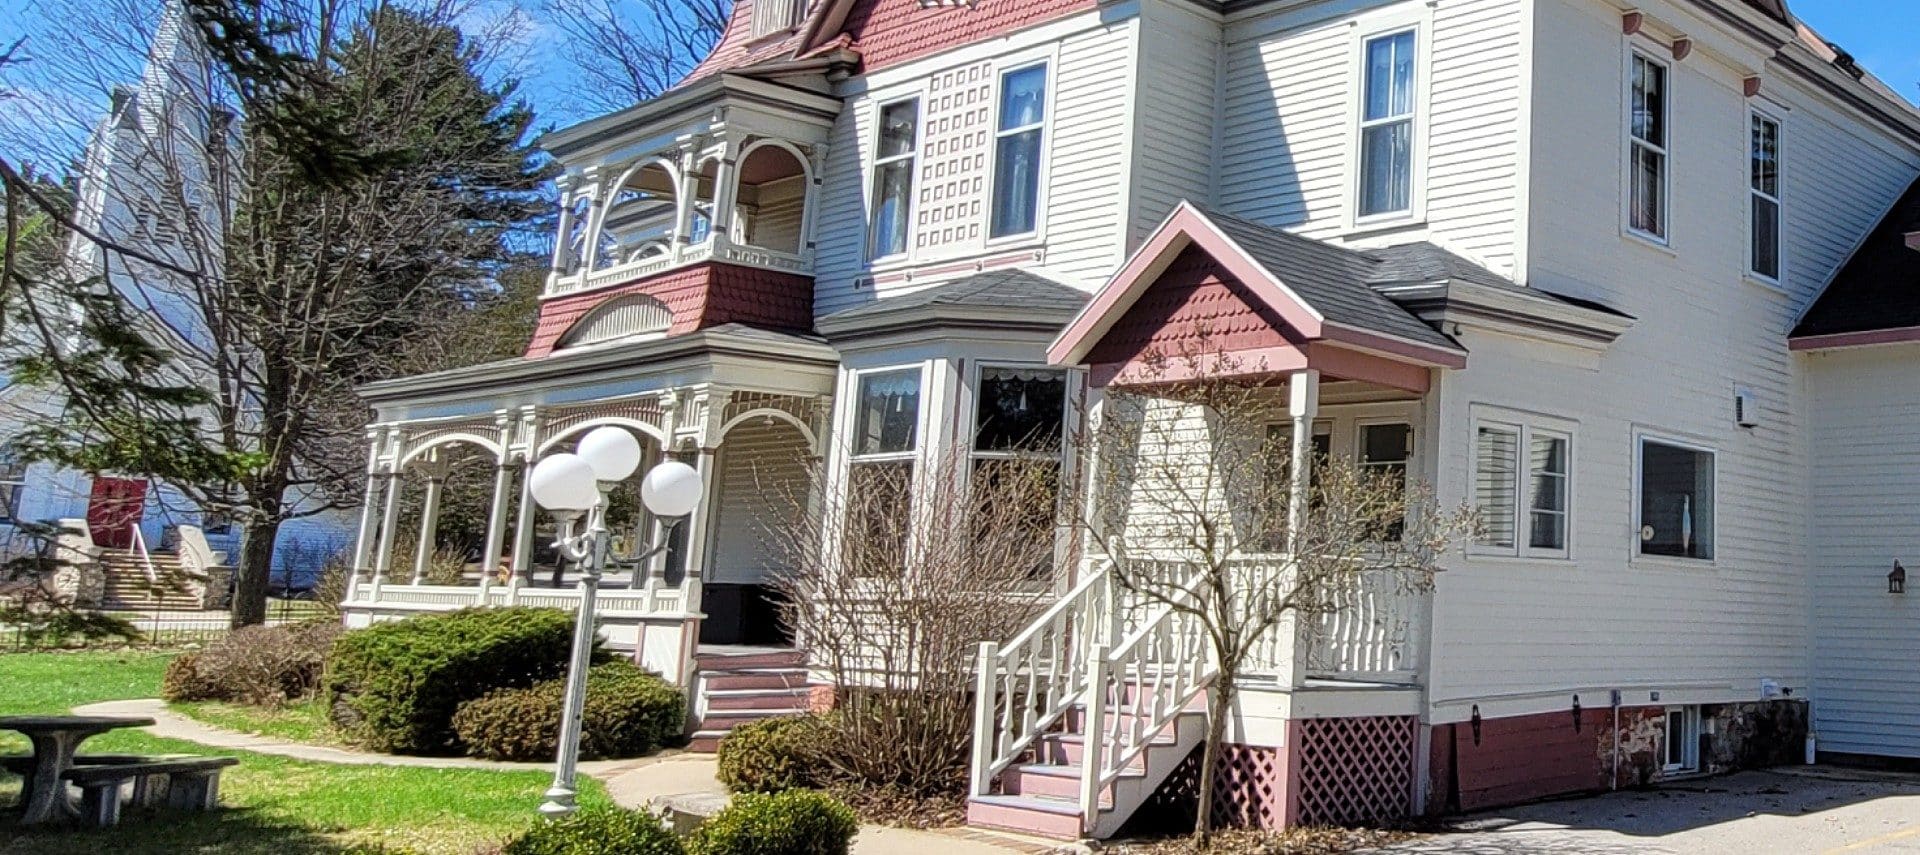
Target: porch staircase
1083	715
128	585
735	686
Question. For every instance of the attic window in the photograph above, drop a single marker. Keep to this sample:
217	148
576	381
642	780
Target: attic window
634	317
773	16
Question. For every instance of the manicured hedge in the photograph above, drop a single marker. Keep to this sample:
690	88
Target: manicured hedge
598	831
395	686
794	822
629	712
771	755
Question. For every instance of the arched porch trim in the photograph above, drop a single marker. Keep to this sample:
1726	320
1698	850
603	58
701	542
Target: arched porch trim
651	431
492	446
769	412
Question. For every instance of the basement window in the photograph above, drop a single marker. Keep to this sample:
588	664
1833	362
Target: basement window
1680	749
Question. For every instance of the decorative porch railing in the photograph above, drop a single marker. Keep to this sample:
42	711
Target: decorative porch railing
1364	632
651	601
715	249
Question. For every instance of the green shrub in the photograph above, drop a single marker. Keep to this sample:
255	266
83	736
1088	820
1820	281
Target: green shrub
395	686
258	665
598	831
629	713
795	822
773	754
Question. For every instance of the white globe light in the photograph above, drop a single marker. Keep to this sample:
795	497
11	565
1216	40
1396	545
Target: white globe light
564	482
612	452
671	489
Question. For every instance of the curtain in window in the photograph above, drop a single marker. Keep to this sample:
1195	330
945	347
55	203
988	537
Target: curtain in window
1386	136
889	415
1016	176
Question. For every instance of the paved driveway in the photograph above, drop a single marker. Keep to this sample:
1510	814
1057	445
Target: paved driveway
1822	810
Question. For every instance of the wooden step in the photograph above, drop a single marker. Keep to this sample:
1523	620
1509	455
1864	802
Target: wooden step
767	679
1059	819
797	700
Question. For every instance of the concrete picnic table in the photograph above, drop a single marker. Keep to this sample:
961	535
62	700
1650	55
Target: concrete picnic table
55	739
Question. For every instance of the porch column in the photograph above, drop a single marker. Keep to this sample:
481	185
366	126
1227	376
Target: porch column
726	190
816	167
528	450
436	472
369	516
562	245
710	411
656	567
389	524
686	198
596	217
1303	403
497	508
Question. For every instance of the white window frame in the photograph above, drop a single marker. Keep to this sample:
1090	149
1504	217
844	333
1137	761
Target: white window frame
1419	22
1755	115
1525	426
1629	144
856	379
13	487
1690	740
1021	62
877	114
1640	440
977	377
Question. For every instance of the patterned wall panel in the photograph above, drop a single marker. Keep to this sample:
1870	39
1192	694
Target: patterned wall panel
950	211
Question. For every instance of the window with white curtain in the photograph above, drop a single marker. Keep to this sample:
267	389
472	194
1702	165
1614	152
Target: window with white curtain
1676	501
1387	110
1019	429
1647	148
1763	161
895	153
1018	149
880	475
1522	486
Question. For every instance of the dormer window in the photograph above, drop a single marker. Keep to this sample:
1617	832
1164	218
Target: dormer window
773	16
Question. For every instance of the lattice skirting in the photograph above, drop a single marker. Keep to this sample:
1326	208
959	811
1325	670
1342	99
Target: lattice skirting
1355	770
1249	790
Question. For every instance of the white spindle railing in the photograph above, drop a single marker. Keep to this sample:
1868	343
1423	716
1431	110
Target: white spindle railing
1139	687
1028	684
717	248
1367	629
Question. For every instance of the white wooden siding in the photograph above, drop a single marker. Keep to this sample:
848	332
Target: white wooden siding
1174	125
763	475
1866	461
1084	216
1287	133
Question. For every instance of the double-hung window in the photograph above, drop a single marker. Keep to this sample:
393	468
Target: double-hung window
895	153
1019	147
885	441
1388	103
13	482
1763	162
1676	499
1019	429
1385	450
1522	479
1647	148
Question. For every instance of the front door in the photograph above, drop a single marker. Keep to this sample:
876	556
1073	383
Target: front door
114	509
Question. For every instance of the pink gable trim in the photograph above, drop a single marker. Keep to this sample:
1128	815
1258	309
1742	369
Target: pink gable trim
1337	363
1186	226
1898	335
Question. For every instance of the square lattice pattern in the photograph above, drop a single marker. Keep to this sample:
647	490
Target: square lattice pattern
1355	770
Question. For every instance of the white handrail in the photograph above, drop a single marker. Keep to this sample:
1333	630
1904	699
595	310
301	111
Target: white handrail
1140	687
146	558
1023	688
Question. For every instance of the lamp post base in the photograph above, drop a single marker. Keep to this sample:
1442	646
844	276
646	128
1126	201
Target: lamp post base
559	803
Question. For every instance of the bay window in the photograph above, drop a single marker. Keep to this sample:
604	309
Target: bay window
1763	162
1019	432
880	472
895	154
1387	125
1019	139
1675	504
1522	477
1647	148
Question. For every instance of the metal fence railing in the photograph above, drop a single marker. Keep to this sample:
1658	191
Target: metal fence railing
155	627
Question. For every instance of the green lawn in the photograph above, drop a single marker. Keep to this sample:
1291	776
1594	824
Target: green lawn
275	805
301	722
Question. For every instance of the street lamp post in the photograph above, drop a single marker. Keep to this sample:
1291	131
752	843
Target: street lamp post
573	486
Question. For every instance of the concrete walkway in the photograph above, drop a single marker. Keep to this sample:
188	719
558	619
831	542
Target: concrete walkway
172	725
685	782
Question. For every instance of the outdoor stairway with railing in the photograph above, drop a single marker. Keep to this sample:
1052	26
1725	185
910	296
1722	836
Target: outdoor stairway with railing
1082	716
155	580
735	686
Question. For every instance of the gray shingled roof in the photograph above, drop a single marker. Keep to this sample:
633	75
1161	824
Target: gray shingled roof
1334	280
1000	289
1879	287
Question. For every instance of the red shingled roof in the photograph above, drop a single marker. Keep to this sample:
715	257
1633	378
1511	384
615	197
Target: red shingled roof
739	48
701	296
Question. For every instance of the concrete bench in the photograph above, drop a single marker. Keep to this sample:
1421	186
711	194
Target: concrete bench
191	783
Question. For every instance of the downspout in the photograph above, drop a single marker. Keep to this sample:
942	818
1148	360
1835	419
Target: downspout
1613	782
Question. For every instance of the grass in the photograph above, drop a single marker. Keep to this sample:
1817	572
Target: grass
302	722
275	805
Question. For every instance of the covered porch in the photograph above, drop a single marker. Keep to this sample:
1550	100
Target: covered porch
746	407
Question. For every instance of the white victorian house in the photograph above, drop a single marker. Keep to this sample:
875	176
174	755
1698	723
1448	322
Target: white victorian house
1545	255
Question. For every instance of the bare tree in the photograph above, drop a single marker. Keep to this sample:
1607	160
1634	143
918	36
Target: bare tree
892	589
1192	498
627	51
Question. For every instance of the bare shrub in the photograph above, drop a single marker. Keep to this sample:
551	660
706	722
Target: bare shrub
891	589
263	666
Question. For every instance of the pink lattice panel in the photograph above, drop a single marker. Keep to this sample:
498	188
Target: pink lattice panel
1355	770
1249	791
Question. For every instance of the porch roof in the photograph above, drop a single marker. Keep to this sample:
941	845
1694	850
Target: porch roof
733	355
1003	298
1256	291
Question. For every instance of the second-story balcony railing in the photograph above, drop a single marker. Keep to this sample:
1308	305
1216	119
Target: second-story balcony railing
715	248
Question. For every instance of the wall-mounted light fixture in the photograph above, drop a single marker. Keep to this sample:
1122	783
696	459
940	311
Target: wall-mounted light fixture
1897	580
